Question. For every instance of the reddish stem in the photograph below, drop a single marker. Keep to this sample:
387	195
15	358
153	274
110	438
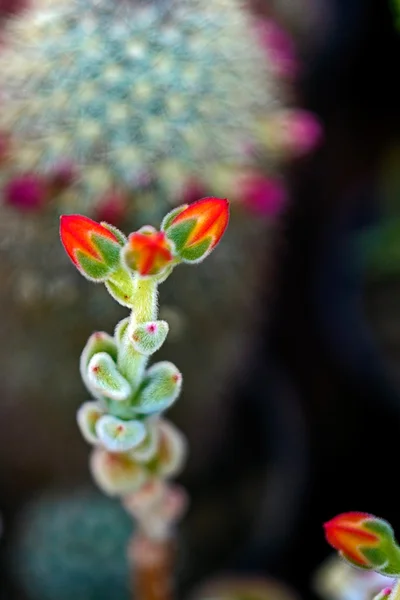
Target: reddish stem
152	567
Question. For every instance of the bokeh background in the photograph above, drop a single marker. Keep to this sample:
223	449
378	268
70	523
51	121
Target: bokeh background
311	427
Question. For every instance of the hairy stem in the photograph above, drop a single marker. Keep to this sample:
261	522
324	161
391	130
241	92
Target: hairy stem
395	595
131	363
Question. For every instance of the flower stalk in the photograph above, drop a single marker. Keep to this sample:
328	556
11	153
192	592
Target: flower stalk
136	450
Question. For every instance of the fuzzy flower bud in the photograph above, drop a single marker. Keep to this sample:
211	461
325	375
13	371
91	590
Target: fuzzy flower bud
196	229
94	248
148	252
365	541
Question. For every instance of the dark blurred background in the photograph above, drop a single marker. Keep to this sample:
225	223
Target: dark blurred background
333	331
318	414
332	344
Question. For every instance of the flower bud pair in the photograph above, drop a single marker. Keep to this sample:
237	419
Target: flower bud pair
188	234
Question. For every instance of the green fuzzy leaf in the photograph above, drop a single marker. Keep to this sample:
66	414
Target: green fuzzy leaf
117	435
120	286
172	451
121	409
160	388
196	253
148	337
87	416
120	330
104	378
92	269
119	476
179	233
169	217
99	341
148	448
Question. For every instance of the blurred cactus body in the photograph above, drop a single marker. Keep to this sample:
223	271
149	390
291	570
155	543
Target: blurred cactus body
72	545
124	108
138	95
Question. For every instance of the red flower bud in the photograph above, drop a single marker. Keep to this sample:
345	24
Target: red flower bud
93	248
365	541
197	228
148	252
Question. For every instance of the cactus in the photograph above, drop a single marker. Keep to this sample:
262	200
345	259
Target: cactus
78	531
122	110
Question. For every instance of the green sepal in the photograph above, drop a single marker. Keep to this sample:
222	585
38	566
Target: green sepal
169	217
104	378
382	528
92	269
197	252
147	338
122	239
118	435
354	563
120	286
87	416
385	559
99	341
161	277
160	388
180	233
108	249
378	559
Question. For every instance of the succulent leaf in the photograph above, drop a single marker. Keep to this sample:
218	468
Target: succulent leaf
148	337
116	473
105	379
160	388
87	417
117	435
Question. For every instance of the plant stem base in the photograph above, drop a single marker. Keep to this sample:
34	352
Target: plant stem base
152	567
